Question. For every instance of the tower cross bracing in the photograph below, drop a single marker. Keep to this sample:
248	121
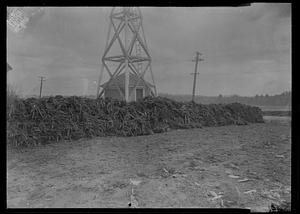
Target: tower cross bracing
126	52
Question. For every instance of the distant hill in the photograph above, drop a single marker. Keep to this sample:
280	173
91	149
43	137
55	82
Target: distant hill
274	102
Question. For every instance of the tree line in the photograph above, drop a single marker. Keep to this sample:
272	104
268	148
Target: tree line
283	99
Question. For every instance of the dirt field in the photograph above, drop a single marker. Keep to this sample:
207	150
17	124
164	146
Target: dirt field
206	167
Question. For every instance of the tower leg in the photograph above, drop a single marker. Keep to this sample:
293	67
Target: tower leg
102	66
126	59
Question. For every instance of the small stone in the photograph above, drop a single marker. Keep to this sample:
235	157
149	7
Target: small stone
227	171
276	195
212	193
243	180
135	182
233	176
234	166
250	191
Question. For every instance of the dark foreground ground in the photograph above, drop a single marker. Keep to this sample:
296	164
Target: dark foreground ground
231	166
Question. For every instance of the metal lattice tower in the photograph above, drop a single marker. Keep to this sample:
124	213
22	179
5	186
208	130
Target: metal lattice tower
125	35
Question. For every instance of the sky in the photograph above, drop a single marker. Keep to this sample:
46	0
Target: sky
246	50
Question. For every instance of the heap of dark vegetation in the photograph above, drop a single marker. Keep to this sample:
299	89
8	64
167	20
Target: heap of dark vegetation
32	121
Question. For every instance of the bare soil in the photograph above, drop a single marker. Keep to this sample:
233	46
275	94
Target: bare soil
206	167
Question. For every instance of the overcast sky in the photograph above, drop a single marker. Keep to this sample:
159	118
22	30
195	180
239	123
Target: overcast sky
246	50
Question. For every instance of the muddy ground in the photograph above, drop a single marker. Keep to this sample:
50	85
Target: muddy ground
230	166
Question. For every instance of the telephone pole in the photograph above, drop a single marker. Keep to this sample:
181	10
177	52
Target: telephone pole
41	87
197	59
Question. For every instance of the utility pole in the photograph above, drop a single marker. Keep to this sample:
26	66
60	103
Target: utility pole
42	79
197	59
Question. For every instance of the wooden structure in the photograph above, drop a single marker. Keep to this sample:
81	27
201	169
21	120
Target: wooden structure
140	91
126	58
